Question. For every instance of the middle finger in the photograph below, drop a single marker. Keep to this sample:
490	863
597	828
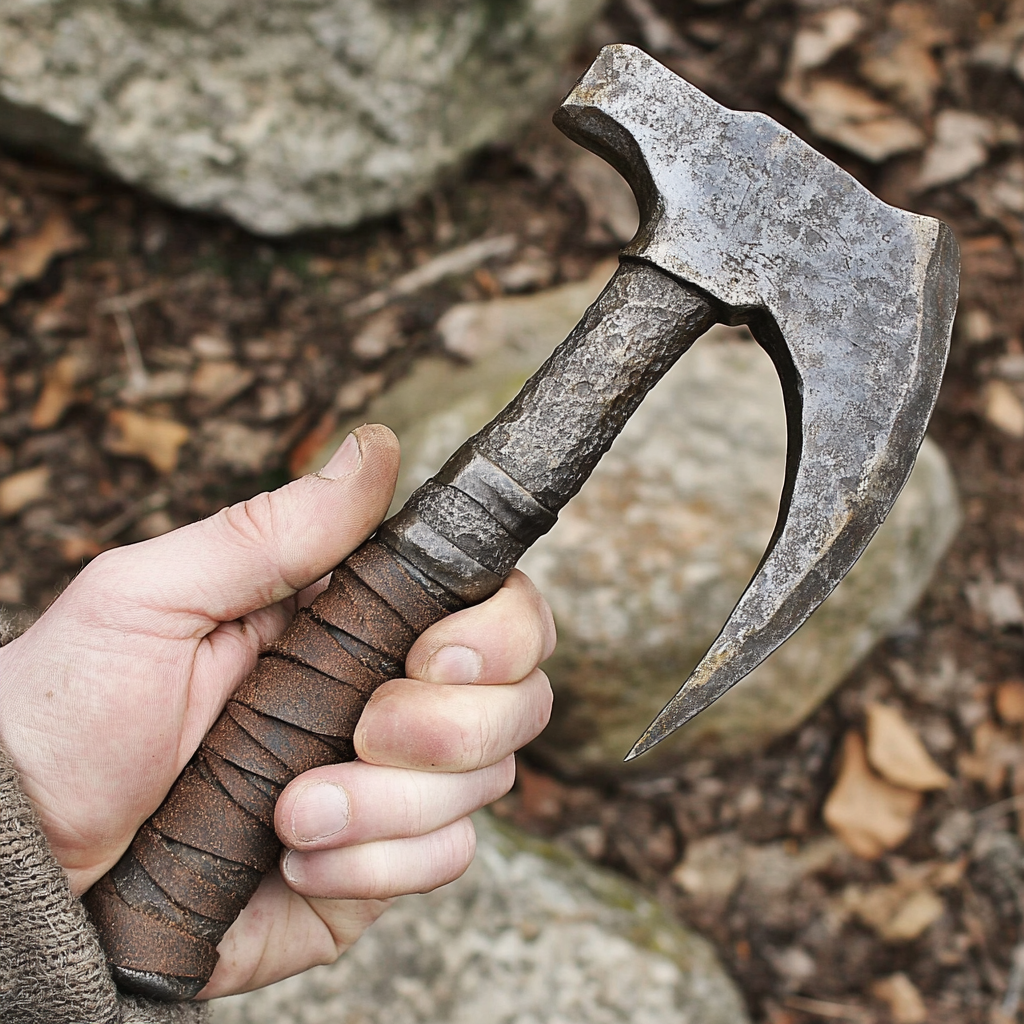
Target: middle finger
351	803
435	727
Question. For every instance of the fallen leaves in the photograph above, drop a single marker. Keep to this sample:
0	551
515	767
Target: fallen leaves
900	994
1010	702
19	490
217	382
900	61
59	391
959	146
153	438
872	813
1002	408
852	117
867	813
904	909
381	333
236	447
995	752
715	866
897	753
823	37
27	258
897	916
840	111
995	604
712	867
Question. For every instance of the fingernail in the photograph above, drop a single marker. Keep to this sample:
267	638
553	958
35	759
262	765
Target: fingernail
344	461
291	867
320	811
453	664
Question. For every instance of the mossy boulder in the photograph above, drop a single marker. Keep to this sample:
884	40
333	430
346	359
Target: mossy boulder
530	933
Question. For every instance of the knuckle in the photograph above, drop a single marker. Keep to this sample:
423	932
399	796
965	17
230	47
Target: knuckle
248	523
452	852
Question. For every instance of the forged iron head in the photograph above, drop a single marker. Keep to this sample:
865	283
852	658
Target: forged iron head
852	299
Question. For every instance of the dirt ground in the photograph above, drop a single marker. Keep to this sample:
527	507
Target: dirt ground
156	365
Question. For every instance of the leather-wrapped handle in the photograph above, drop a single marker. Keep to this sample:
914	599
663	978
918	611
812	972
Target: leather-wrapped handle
195	864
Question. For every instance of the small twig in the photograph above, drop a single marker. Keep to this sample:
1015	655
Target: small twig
130	300
831	1011
138	379
1012	803
456	261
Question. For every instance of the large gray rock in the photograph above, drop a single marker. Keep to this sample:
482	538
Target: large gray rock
647	561
283	114
530	935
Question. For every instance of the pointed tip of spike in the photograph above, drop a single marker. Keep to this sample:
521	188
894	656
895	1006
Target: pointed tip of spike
692	698
652	736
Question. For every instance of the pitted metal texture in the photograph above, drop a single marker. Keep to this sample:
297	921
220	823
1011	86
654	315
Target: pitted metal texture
853	300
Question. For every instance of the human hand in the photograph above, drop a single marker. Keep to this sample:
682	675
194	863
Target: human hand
105	698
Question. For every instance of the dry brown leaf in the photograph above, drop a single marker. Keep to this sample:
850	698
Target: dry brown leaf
19	490
355	393
818	41
995	752
903	999
896	751
58	391
27	258
898	912
712	867
960	146
1010	702
211	346
381	333
996	604
279	400
867	813
218	382
900	61
155	439
852	117
226	444
1002	408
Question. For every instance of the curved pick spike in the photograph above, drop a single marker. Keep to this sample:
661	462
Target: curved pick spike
852	298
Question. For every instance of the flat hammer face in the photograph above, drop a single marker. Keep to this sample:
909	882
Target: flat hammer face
852	298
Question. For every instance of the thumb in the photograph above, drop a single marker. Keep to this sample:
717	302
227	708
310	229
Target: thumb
268	548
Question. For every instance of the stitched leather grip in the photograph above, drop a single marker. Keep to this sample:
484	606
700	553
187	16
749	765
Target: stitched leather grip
195	864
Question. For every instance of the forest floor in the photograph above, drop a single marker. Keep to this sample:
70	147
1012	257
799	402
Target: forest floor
156	365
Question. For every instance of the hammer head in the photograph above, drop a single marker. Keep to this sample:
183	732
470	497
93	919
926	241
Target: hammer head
852	299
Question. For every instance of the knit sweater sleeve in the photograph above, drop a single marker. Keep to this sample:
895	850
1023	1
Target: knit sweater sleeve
52	969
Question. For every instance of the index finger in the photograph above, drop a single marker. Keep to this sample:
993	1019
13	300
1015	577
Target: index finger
499	641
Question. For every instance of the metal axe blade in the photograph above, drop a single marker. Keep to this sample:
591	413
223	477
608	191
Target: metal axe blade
852	299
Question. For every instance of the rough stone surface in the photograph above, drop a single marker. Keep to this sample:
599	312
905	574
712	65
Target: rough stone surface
287	114
530	935
648	560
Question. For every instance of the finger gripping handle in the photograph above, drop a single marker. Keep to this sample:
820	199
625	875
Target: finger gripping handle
196	863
